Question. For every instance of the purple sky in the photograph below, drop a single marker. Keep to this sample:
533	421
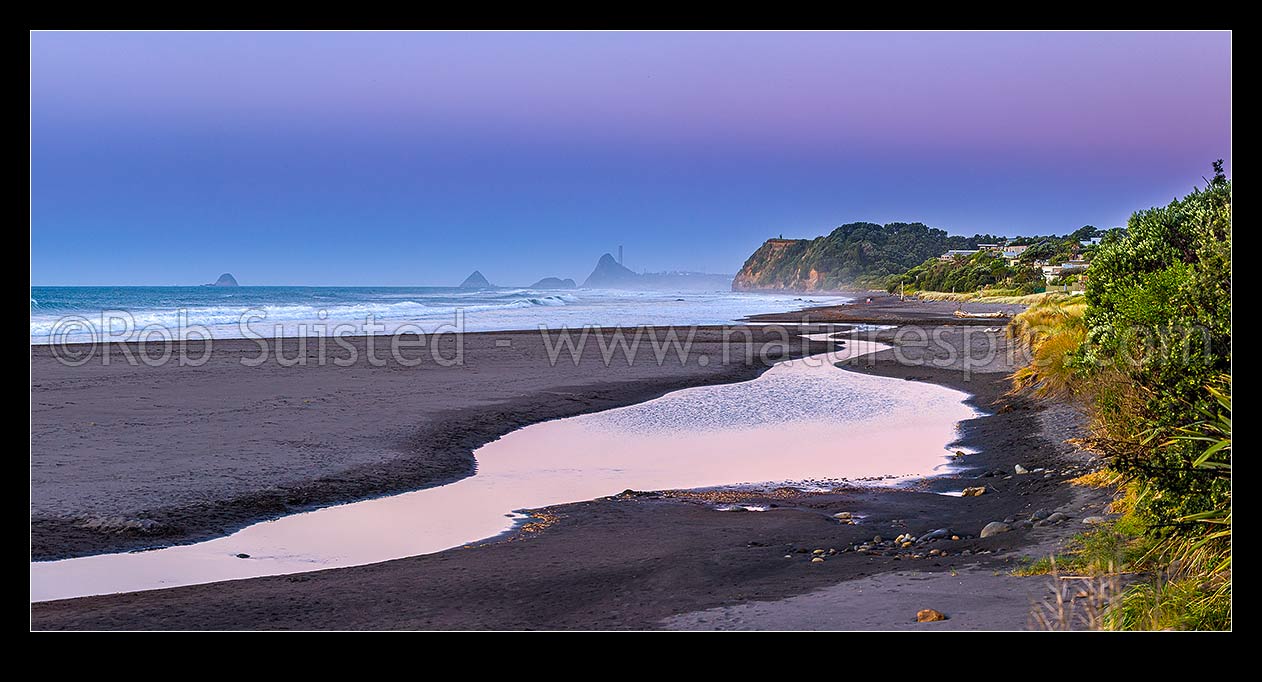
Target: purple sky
412	158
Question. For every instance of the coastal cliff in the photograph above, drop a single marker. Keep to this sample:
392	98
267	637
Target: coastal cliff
773	266
853	254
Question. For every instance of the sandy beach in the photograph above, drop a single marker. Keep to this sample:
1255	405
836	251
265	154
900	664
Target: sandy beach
129	457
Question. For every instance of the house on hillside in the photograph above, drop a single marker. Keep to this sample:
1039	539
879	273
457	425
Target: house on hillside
1069	267
1012	254
957	253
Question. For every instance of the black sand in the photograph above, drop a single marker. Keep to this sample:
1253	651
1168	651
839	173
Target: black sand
650	560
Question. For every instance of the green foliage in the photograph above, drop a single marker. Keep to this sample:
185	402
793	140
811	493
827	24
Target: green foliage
985	270
1084	232
1159	330
1051	250
1153	355
1179	604
1101	550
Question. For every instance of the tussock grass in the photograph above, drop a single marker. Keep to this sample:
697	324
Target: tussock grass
1102	478
1186	603
1103	550
1052	330
994	296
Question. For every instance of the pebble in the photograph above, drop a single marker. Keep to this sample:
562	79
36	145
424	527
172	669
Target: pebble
935	552
818	551
876	540
1009	519
995	528
818	560
955	537
842	515
973	492
929	616
1094	520
906	545
937	534
1020	469
788	556
1056	517
243	556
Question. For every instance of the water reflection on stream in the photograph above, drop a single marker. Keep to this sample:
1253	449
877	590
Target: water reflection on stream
800	420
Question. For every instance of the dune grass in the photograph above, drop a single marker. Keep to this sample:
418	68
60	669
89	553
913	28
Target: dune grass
1051	331
994	296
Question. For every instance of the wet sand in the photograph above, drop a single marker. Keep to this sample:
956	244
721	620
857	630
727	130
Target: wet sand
125	457
654	560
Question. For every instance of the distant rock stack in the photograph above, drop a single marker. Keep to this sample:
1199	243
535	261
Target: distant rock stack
609	273
475	281
225	280
554	283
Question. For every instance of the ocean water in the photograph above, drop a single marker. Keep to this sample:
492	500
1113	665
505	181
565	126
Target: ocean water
71	314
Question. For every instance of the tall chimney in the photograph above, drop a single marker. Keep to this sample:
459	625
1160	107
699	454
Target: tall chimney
620	254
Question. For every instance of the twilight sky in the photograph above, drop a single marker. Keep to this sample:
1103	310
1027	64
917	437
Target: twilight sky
414	158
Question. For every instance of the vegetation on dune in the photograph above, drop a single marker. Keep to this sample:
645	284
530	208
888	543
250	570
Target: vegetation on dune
1148	349
994	296
984	270
1052	331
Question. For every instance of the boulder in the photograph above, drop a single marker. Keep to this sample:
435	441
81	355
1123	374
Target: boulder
995	528
1055	518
